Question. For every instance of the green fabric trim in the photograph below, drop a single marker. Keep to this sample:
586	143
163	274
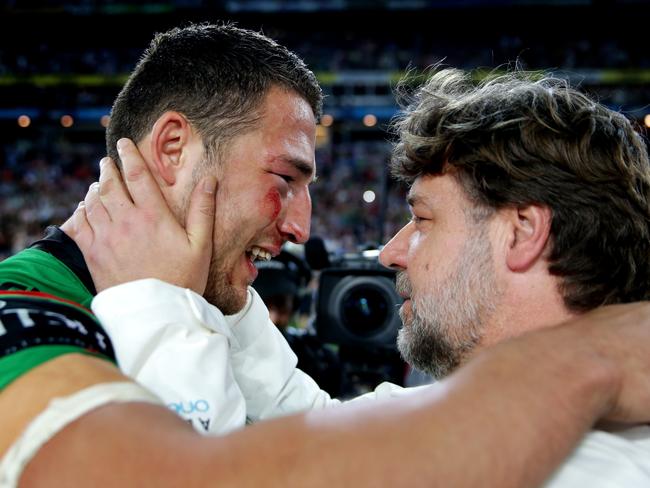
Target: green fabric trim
40	297
38	270
19	363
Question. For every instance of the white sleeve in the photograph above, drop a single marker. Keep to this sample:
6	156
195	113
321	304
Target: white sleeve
265	366
174	343
207	366
607	460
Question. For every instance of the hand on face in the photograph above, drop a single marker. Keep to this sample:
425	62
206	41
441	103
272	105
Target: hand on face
126	230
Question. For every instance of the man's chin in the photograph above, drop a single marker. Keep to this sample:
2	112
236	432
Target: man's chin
426	351
229	300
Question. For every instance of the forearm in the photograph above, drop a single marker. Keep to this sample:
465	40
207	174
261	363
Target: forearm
507	419
512	416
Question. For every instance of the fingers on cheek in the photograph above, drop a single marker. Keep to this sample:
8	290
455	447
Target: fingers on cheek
124	230
105	187
92	197
91	260
79	216
83	233
80	207
150	218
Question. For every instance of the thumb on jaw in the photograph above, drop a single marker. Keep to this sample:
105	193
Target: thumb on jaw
200	216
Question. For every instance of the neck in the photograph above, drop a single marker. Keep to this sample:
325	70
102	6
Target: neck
526	307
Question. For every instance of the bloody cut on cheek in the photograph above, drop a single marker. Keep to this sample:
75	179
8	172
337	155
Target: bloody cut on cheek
272	204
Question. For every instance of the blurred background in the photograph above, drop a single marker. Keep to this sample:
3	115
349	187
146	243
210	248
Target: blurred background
63	62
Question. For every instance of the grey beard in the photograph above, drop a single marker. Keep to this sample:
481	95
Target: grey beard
426	347
448	319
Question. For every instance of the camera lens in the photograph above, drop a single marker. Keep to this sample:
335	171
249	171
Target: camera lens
357	307
364	309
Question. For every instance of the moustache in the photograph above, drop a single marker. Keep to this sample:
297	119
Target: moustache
402	284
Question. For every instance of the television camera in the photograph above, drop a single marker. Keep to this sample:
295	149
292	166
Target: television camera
350	345
357	305
357	311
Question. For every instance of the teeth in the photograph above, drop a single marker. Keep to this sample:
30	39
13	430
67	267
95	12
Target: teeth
259	254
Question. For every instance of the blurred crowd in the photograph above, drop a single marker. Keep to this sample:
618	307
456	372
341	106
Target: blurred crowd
346	220
345	51
41	184
355	203
329	55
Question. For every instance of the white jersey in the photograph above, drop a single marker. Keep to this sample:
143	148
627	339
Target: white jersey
219	372
216	371
607	460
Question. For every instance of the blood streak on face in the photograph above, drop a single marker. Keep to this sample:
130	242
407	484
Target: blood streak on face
272	204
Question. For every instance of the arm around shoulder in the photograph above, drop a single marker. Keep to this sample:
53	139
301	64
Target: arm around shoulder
508	418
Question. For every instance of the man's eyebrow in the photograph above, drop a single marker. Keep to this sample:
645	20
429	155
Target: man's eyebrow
413	199
305	168
416	198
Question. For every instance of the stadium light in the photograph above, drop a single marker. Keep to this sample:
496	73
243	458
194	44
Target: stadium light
369	120
326	120
24	121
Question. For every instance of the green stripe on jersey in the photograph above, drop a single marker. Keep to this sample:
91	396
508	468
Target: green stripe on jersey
21	362
37	270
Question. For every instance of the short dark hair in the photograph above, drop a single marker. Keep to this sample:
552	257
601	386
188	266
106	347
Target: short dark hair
215	74
521	138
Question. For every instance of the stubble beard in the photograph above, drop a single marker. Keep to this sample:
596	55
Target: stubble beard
447	320
219	292
218	289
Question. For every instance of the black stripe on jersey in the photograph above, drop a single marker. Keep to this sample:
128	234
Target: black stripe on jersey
35	319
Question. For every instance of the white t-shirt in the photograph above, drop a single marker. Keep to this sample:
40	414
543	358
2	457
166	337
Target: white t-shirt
220	372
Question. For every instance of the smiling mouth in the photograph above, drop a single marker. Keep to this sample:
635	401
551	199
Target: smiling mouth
258	254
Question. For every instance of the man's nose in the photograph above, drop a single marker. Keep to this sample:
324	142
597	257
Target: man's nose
393	255
297	221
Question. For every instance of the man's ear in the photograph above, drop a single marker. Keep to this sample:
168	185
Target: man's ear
530	228
169	136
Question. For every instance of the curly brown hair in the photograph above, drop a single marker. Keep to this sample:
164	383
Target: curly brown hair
519	139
